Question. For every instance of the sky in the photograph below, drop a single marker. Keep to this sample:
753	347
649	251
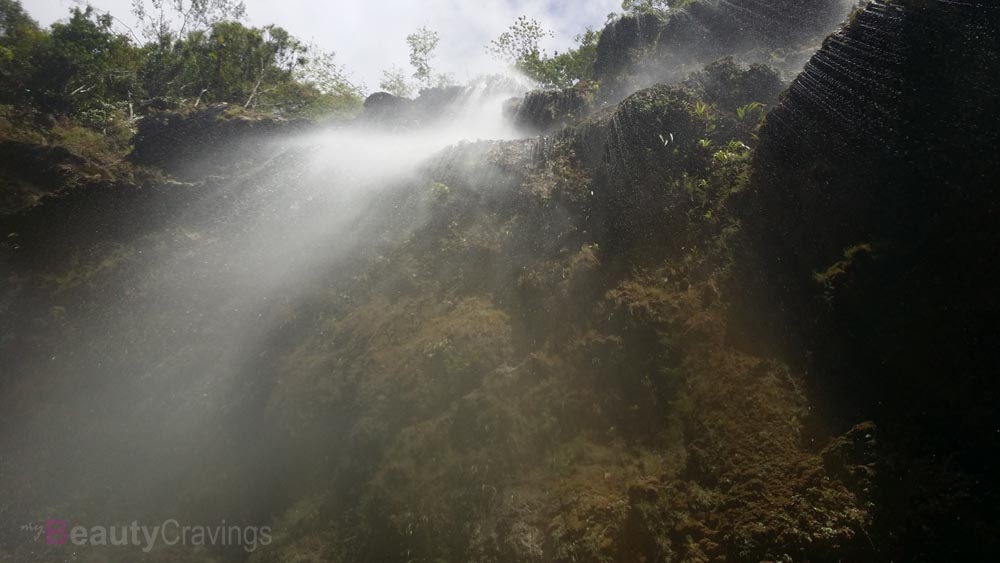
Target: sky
370	36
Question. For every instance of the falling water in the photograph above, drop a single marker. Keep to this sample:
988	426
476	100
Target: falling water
166	385
598	324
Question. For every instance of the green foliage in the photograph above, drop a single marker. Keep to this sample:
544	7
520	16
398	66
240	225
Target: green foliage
394	82
17	125
440	191
422	44
520	42
749	118
83	62
520	46
175	19
727	84
747	111
253	67
734	151
858	9
113	120
570	67
324	86
19	38
197	52
638	7
443	80
645	6
734	98
837	270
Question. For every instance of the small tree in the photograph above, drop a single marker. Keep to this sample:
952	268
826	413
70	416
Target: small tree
422	44
394	82
443	80
337	95
322	71
20	37
177	18
228	63
638	7
568	68
520	46
520	43
84	62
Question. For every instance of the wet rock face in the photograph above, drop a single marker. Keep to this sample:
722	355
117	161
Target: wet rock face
383	107
875	200
33	171
433	105
642	131
774	23
646	144
636	51
544	110
853	457
217	139
727	85
650	153
386	110
436	101
621	40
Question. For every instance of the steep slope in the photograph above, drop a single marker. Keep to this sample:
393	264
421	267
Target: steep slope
638	51
523	357
541	371
663	333
875	208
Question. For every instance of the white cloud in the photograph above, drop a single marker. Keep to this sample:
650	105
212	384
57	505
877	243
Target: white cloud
369	37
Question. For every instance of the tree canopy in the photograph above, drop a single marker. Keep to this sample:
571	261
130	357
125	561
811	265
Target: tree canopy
20	37
394	82
422	43
176	18
520	46
193	52
652	6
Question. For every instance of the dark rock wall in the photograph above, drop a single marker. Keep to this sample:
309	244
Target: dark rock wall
646	142
217	140
637	51
433	105
874	213
561	309
621	40
33	171
544	110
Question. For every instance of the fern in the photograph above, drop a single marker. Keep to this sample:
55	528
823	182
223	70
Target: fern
746	111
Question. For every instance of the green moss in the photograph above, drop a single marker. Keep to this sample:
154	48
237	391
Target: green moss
830	276
88	270
439	191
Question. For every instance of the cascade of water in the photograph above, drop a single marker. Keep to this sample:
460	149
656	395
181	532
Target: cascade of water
167	374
